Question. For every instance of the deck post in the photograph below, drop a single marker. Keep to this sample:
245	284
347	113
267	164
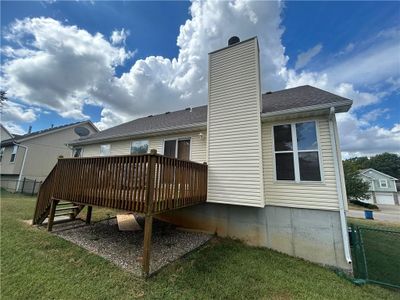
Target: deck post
52	214
148	225
89	214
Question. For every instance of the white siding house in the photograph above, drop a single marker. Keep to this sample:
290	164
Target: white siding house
275	177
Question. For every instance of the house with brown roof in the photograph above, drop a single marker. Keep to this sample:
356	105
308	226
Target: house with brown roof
33	155
275	177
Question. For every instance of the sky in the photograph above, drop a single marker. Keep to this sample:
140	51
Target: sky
114	61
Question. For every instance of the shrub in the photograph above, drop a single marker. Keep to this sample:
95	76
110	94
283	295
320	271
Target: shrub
363	204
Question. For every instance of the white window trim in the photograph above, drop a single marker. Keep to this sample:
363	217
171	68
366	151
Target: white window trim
105	154
383	181
295	152
15	154
144	140
176	145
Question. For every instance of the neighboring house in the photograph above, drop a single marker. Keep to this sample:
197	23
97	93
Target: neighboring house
275	177
34	154
382	187
4	133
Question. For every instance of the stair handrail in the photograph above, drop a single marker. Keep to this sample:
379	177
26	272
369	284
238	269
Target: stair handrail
44	197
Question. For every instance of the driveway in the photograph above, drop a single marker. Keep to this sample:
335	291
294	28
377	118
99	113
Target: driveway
387	213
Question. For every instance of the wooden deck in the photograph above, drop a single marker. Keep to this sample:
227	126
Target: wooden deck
147	184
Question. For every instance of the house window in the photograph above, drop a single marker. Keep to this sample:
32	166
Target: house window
383	183
296	152
2	153
77	152
140	147
105	150
178	148
14	153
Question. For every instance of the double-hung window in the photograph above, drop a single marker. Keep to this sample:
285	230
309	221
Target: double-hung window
179	148
297	156
105	150
383	183
14	154
140	147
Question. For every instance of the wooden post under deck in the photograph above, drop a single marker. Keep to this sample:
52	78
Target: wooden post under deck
148	225
51	215
89	214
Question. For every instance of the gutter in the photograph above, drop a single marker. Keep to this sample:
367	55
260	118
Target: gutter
23	164
341	106
339	186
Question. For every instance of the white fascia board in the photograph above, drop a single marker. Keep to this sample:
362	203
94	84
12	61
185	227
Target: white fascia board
341	106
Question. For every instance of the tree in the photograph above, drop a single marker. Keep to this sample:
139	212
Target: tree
356	188
3	96
388	163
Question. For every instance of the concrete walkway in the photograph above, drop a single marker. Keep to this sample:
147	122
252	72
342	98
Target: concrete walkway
387	213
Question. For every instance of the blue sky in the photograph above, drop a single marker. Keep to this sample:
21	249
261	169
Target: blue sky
331	45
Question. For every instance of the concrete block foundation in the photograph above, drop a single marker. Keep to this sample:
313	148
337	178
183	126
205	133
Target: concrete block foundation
314	235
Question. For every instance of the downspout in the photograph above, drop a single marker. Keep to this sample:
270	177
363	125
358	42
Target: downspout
339	187
23	164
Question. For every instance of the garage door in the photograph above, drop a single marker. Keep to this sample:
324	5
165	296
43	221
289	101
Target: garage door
384	199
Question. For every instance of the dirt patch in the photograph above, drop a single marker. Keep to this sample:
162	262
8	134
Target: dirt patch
125	248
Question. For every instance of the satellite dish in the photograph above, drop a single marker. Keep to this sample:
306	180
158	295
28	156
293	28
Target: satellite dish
81	131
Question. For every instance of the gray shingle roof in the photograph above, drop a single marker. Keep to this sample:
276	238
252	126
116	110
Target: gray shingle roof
299	97
302	96
197	116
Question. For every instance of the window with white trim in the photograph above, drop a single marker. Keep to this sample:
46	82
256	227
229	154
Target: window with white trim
296	152
105	150
14	154
2	153
178	148
140	147
383	183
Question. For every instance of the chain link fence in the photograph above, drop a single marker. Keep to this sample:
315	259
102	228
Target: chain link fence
376	255
25	186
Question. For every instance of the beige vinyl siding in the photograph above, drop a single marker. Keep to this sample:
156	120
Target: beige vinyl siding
198	145
302	195
234	126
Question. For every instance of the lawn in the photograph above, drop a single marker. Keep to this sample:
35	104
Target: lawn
39	265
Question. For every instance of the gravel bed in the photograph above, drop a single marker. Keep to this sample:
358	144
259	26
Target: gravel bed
125	248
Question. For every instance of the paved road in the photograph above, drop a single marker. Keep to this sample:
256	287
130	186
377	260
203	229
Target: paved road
387	213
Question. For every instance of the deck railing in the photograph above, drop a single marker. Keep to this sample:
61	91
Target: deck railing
147	183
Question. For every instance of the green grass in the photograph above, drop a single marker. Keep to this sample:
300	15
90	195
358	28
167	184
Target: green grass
38	265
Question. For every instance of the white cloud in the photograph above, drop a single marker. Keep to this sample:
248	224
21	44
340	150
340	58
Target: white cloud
68	64
15	112
349	48
359	138
59	66
62	67
305	57
13	128
374	114
119	36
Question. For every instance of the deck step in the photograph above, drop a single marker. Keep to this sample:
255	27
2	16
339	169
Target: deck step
65	203
64	214
66	208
